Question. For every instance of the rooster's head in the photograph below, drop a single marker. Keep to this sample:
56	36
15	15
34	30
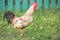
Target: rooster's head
35	5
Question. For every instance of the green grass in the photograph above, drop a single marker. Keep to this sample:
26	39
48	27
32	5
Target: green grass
45	26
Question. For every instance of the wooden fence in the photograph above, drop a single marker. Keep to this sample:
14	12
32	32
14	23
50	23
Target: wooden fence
23	5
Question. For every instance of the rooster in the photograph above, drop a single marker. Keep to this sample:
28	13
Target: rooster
23	21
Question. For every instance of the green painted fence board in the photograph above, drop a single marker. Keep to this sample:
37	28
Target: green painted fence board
46	3
52	4
39	4
2	5
10	5
59	4
25	5
17	5
31	2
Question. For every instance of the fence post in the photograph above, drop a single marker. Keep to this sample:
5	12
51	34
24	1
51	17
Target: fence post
21	4
42	4
49	4
28	3
56	3
59	4
13	5
6	4
35	0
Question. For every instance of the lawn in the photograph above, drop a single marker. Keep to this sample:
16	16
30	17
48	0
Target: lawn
45	26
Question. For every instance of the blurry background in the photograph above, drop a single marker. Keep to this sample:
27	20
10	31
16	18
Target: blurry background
22	5
45	25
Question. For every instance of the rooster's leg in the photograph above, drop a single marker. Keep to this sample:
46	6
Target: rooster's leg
22	32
